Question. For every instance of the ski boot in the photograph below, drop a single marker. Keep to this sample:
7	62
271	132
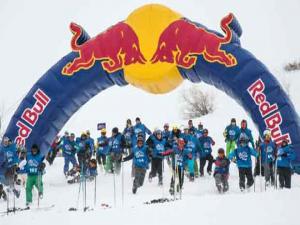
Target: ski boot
209	173
150	178
134	189
171	190
219	187
16	192
160	183
192	178
41	195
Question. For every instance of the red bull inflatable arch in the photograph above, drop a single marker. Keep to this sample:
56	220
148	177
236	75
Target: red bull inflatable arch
155	49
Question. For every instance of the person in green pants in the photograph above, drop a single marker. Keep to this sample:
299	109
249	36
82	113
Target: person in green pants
231	135
34	168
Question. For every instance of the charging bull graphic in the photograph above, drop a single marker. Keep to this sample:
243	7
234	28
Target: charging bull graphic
123	50
155	49
182	41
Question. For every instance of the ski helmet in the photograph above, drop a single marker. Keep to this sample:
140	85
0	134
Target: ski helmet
103	131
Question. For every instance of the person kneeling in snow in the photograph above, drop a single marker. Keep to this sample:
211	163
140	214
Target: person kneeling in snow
221	173
90	173
242	156
141	158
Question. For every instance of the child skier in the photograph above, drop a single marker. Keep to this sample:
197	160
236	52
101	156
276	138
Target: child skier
267	151
206	143
180	155
284	157
221	173
157	145
141	157
68	147
231	135
242	156
102	150
34	168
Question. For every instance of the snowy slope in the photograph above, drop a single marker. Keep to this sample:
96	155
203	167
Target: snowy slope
200	203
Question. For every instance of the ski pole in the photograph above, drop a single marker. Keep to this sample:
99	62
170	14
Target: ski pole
114	180
38	180
175	167
78	196
95	192
260	169
122	185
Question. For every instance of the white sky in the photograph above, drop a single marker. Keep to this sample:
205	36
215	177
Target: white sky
34	35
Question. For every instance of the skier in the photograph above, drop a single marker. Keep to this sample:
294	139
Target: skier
206	143
91	143
180	155
192	129
83	150
192	146
199	131
128	134
231	135
242	156
35	169
267	151
246	133
102	149
284	157
221	172
116	149
140	128
141	158
53	150
157	145
9	164
166	134
68	147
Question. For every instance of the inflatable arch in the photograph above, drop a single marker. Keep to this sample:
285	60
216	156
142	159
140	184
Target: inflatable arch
154	49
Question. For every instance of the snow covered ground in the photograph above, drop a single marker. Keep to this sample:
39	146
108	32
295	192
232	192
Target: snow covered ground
200	202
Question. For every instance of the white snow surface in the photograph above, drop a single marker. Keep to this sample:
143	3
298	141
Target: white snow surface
200	202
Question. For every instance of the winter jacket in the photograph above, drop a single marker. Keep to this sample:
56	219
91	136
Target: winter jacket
192	130
10	155
157	146
267	150
179	157
68	148
206	146
141	128
33	164
198	133
91	143
221	165
128	134
247	134
285	156
231	133
192	144
243	156
102	145
116	143
140	156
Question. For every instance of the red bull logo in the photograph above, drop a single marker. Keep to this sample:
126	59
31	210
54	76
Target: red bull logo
116	47
182	41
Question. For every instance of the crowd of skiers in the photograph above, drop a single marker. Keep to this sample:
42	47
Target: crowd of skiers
186	149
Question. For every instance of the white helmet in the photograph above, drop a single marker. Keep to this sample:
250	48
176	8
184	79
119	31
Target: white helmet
267	133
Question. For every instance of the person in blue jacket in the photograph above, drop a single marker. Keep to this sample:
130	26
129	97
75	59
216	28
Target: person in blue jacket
157	145
91	143
68	147
128	134
180	156
192	146
102	149
246	133
231	134
9	164
267	150
192	129
199	131
285	155
140	128
116	145
242	156
206	143
221	171
141	155
35	169
83	151
166	132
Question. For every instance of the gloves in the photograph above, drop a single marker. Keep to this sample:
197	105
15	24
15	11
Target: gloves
41	167
284	155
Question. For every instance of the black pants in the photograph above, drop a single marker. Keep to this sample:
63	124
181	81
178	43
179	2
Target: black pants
139	177
285	176
269	172
101	159
243	174
203	160
156	167
180	173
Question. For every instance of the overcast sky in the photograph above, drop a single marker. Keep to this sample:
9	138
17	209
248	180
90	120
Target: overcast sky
34	35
